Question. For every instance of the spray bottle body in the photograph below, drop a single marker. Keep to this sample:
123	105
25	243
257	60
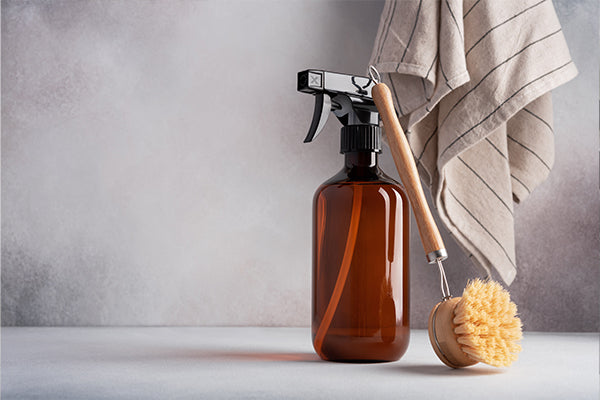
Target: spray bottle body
360	302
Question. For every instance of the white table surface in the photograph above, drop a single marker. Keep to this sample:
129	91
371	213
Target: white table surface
248	363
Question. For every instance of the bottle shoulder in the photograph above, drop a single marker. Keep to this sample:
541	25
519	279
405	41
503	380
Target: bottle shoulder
388	179
375	183
378	179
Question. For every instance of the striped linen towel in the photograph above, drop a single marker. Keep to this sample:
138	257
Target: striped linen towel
471	81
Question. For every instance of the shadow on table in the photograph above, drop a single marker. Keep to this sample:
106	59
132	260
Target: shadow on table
177	353
442	370
227	355
258	356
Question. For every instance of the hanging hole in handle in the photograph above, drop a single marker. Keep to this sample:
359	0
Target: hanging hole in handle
374	74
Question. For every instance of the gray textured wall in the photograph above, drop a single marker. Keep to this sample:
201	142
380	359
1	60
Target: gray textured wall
153	170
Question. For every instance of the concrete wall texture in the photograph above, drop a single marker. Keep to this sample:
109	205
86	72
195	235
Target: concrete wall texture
153	171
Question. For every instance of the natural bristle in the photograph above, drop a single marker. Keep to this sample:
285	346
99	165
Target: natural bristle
487	326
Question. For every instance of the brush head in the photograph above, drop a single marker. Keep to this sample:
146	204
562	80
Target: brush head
480	326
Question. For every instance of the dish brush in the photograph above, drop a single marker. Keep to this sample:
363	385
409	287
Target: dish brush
480	326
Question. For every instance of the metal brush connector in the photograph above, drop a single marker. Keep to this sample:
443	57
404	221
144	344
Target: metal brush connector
437	255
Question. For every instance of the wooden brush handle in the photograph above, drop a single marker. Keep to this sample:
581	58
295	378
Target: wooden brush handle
405	163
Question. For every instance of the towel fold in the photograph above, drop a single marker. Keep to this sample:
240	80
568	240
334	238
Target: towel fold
471	82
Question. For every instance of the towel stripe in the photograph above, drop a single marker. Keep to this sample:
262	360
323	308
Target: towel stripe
500	106
529	150
444	75
431	66
494	69
387	30
506	158
379	39
413	31
486	184
540	118
454	18
426	77
396	96
483	226
497	149
470	9
426	143
521	182
502	23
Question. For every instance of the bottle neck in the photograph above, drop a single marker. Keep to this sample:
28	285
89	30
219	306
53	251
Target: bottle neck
360	159
362	164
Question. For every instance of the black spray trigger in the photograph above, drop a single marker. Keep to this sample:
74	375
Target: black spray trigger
320	115
342	108
349	98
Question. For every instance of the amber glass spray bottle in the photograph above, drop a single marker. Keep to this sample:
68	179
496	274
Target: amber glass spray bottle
360	304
